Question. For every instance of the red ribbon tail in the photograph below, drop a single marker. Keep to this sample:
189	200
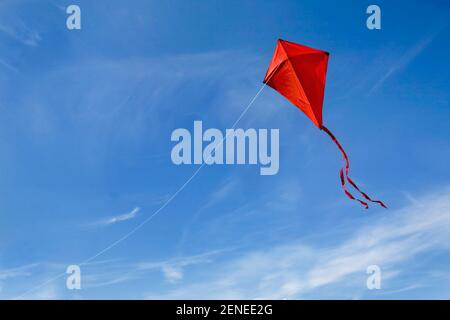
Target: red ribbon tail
364	194
341	173
344	176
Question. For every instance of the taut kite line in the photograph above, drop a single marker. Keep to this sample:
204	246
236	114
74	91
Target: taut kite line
298	73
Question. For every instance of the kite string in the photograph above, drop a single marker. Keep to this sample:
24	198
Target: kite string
156	212
181	188
186	182
347	177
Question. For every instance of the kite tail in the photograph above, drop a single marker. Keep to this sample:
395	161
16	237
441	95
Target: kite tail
341	173
346	176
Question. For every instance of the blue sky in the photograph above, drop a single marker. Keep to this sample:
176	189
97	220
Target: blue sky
85	124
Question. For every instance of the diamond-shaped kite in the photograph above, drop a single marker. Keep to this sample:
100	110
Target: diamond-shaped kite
298	73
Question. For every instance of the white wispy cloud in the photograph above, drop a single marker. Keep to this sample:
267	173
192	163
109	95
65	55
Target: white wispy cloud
8	66
49	292
135	92
222	192
295	270
22	271
18	280
114	219
172	273
20	32
121	217
173	269
404	60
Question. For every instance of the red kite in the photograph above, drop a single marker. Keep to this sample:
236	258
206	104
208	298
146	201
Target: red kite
298	73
